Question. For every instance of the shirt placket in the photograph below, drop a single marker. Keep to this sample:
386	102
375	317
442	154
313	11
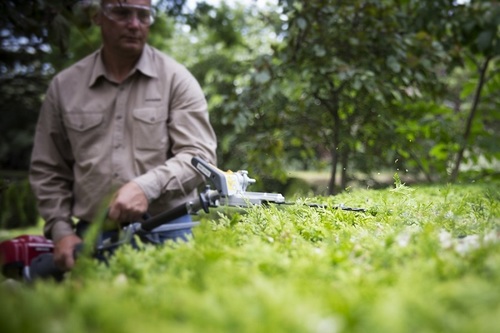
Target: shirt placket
120	116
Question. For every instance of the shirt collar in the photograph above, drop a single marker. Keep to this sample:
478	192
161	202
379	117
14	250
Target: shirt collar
144	65
98	70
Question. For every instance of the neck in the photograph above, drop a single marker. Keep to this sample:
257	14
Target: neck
118	65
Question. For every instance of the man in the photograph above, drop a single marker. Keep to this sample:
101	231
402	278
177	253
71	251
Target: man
123	123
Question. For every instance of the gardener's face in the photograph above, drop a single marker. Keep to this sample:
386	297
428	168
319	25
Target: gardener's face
125	25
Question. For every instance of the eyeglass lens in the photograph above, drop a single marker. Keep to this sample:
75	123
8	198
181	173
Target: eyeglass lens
124	14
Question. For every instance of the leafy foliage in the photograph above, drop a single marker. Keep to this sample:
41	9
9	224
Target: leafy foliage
17	204
425	258
354	63
23	77
472	38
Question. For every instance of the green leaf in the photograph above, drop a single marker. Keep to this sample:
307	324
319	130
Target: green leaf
393	64
262	77
319	50
440	152
301	23
484	40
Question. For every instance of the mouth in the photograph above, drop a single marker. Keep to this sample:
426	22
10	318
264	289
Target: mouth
131	38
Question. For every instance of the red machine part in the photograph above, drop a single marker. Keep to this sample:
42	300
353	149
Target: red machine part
16	254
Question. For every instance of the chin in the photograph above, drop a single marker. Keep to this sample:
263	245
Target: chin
133	49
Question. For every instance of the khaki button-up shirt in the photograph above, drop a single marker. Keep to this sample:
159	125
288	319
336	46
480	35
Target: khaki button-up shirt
94	135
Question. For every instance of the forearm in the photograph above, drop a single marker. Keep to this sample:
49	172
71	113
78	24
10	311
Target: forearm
176	178
58	230
52	189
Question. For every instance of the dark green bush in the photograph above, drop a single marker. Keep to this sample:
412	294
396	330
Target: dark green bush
17	204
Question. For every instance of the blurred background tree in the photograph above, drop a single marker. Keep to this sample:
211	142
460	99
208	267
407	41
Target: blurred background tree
352	88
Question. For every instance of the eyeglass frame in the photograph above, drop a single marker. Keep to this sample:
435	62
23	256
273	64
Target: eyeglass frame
105	10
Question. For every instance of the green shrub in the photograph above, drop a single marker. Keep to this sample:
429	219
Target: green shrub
17	204
426	259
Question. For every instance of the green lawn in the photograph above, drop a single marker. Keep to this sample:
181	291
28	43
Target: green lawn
423	259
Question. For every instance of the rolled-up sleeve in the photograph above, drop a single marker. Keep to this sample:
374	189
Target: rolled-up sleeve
190	134
50	173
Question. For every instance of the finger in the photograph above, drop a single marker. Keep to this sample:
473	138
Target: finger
114	213
124	215
61	262
58	262
130	215
69	262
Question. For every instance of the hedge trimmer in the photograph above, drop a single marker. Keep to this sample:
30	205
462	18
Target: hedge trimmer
30	257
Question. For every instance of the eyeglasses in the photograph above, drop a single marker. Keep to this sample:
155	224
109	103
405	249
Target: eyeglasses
124	13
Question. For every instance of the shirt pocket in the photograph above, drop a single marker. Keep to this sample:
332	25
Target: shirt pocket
82	121
85	132
150	128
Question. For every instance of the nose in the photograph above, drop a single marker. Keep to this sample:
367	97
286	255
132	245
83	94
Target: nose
133	20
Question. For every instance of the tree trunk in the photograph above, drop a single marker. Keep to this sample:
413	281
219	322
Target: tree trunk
466	135
335	151
344	164
333	175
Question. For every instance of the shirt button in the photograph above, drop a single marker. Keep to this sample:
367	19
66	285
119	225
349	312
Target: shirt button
119	117
121	88
118	146
152	118
115	175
